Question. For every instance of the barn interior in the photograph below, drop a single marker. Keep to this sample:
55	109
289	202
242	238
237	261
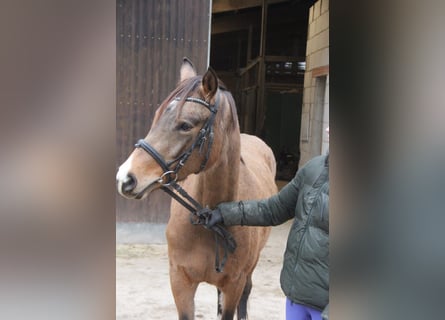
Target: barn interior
258	48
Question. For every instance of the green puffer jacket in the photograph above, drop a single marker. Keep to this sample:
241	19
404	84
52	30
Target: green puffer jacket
305	273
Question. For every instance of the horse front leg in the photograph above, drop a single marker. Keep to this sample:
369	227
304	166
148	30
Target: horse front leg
232	293
241	311
183	290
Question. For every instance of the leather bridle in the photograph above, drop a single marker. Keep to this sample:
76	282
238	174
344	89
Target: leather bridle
168	179
206	133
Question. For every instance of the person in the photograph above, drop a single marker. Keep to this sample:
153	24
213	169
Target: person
304	275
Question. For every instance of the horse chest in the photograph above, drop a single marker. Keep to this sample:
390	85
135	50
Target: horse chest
189	239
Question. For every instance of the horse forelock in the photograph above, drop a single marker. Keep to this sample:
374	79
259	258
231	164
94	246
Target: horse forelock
187	88
181	91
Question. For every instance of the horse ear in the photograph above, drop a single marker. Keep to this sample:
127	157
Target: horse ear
187	69
210	83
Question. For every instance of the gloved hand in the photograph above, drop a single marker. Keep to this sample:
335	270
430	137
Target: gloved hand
210	218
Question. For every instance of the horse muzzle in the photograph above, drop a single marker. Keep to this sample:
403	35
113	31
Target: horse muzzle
126	185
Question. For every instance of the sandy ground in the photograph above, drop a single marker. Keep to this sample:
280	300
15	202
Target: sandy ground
143	288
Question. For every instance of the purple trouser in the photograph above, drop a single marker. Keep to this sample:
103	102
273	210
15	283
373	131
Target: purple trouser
295	311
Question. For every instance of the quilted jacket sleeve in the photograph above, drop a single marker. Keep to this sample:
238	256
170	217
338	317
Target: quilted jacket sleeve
266	212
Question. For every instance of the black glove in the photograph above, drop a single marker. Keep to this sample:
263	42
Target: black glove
210	218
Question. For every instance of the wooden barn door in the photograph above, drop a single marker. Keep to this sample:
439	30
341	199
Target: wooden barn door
152	37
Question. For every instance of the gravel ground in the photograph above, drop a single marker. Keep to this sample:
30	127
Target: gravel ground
143	288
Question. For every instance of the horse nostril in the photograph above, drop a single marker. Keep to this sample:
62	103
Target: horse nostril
129	183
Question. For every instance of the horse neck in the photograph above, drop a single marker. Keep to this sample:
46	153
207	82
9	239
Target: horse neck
220	182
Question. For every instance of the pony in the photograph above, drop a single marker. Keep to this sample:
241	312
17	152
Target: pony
195	143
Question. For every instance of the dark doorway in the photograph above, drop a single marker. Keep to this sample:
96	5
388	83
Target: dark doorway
260	52
282	131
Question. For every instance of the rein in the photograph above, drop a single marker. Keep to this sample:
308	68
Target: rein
169	183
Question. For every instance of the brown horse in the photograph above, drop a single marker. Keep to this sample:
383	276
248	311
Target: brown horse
221	165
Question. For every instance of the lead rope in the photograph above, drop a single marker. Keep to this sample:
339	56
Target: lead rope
196	210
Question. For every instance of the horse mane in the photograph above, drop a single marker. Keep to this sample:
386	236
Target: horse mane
186	87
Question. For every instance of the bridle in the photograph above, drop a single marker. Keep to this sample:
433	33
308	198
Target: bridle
169	183
205	133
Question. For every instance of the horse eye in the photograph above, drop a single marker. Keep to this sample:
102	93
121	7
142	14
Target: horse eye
185	126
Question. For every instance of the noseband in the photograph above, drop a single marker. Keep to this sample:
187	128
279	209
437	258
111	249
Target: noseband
168	179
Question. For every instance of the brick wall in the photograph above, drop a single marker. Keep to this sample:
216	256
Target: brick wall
315	114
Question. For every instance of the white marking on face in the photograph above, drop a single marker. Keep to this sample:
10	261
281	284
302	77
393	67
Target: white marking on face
122	173
172	105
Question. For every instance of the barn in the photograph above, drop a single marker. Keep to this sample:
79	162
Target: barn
273	55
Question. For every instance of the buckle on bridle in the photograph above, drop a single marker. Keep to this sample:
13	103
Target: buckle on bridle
167	175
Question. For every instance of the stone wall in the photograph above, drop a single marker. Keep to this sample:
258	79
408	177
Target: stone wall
315	114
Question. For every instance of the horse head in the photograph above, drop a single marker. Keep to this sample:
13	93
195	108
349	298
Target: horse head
185	136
